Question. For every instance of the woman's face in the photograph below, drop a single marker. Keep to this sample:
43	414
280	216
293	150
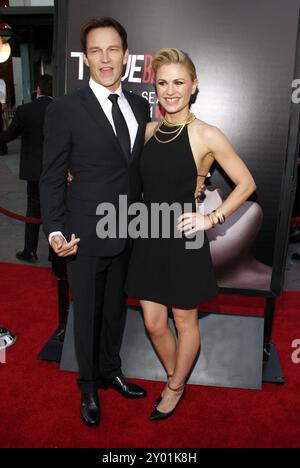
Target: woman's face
174	87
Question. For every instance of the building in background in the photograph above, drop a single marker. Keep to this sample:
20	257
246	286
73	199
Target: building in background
27	26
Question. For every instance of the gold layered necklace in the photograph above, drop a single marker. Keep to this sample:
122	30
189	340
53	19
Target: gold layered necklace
173	133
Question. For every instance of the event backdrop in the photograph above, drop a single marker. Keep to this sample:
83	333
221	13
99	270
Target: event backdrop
245	57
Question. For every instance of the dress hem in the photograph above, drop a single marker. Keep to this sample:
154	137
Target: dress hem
169	304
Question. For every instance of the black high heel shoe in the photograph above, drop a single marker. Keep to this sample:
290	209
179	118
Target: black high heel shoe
157	415
158	400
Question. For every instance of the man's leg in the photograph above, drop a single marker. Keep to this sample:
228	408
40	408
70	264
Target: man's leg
31	230
113	323
33	211
114	316
87	278
3	150
87	286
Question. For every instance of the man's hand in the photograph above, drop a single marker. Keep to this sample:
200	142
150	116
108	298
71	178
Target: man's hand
63	248
70	178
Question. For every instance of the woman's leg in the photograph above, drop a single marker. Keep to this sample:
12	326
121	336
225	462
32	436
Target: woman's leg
187	326
164	341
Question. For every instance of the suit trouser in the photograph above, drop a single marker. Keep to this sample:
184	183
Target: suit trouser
3	146
33	211
97	285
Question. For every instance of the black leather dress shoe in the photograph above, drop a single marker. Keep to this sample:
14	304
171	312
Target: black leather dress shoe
90	409
26	257
127	389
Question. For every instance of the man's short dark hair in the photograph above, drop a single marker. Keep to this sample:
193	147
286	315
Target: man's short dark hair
45	84
104	22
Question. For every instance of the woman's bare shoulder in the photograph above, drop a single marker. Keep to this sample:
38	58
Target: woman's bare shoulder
206	132
204	128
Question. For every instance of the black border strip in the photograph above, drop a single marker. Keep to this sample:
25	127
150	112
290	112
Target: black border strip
59	55
289	180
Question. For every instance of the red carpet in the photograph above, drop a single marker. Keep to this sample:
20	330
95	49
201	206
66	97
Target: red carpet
39	405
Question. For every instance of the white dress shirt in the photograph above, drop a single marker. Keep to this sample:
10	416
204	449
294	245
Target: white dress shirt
102	95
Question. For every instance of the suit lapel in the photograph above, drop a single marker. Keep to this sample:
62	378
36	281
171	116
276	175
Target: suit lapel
91	104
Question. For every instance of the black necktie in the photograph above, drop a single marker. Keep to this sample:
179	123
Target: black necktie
120	125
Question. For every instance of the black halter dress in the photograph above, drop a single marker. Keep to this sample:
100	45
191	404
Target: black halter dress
162	268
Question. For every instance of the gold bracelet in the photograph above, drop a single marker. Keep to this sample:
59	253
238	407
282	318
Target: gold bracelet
213	224
214	216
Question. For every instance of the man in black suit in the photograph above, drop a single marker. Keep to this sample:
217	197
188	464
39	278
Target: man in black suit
28	123
98	134
3	147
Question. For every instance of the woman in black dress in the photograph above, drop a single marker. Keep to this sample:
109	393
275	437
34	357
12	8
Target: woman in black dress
164	272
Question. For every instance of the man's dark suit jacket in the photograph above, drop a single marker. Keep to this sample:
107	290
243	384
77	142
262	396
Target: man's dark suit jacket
28	123
1	117
79	137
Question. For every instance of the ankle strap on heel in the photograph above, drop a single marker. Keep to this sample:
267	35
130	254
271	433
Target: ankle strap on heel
178	389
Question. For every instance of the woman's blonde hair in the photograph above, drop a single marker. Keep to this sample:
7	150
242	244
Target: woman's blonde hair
168	56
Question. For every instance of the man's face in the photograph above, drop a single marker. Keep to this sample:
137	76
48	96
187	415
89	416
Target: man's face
105	57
